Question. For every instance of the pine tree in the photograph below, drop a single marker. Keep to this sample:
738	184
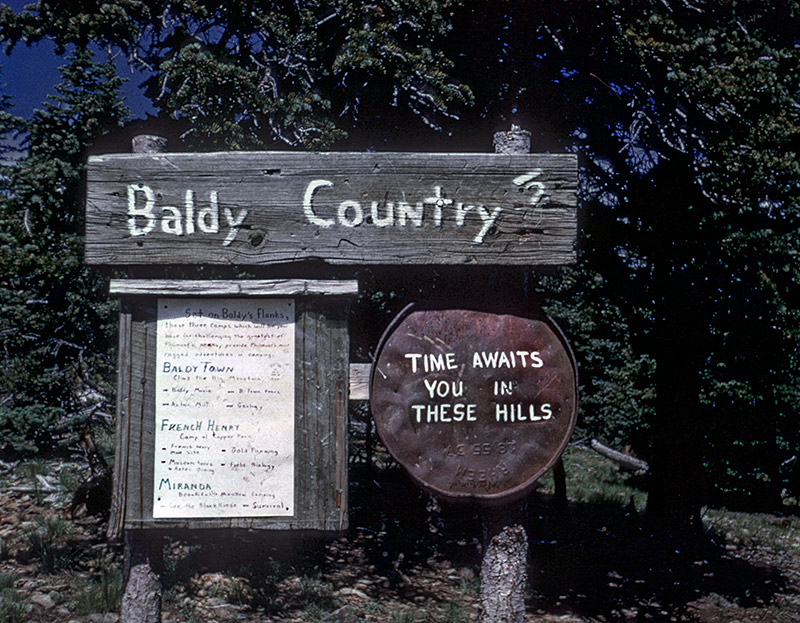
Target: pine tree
686	117
244	74
56	324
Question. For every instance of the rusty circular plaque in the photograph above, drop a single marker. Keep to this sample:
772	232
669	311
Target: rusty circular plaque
474	405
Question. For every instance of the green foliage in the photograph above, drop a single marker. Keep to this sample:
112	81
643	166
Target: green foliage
69	478
682	310
454	613
616	381
243	74
49	543
237	591
405	615
471	587
102	593
778	533
594	479
686	116
12	609
31	428
31	470
737	70
734	74
56	324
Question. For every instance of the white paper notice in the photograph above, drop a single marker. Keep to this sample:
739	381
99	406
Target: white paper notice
224	435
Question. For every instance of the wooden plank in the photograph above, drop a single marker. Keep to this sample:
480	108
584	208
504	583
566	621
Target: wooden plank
322	344
251	287
116	519
359	380
142	411
263	208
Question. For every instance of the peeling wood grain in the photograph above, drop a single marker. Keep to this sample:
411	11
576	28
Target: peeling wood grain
262	208
250	287
359	380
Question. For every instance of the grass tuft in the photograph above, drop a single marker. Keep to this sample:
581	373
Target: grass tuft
454	613
47	542
405	615
102	594
12	610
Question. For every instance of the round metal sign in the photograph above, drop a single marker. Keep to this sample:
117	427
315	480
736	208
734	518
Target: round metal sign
474	405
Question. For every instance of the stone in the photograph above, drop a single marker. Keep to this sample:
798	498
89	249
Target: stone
345	614
43	600
351	592
465	573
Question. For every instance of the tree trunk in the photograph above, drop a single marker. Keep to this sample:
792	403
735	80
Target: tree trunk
504	568
628	463
676	486
504	575
141	602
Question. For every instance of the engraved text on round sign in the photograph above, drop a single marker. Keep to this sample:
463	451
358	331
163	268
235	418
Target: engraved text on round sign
474	405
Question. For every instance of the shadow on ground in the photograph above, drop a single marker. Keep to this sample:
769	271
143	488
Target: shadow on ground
601	560
597	560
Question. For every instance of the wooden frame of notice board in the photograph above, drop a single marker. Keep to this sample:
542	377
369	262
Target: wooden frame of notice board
318	470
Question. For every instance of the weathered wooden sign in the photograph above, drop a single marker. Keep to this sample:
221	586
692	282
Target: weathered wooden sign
474	405
343	208
232	404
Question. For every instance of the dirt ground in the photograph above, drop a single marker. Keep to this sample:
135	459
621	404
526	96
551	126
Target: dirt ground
404	560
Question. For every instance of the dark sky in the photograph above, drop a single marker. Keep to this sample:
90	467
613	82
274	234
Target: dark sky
29	74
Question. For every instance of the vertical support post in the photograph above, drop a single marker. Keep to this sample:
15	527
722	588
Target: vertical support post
504	567
141	601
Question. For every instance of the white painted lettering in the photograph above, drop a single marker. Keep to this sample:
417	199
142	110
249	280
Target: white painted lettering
414	357
387	220
438	201
516	413
527	181
358	213
430	386
436	362
308	206
507	359
443	389
146	212
234	223
208	217
407	213
444	412
488	222
189	205
461	213
171	221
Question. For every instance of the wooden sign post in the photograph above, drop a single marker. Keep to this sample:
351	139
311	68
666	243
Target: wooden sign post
476	406
232	399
